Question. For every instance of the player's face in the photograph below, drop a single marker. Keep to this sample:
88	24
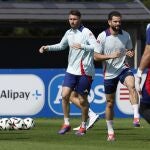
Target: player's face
115	23
74	21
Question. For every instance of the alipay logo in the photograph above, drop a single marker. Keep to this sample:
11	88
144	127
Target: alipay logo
21	94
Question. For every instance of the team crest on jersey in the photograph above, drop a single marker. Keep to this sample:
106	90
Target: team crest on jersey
90	34
98	41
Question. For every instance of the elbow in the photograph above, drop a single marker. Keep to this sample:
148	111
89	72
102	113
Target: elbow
95	57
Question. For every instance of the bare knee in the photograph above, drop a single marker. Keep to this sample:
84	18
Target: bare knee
65	97
66	92
131	89
110	104
83	101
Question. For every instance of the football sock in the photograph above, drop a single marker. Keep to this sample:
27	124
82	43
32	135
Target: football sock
110	126
66	121
83	124
136	110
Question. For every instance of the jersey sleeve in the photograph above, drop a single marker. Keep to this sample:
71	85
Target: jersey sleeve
99	48
129	43
90	41
148	35
60	46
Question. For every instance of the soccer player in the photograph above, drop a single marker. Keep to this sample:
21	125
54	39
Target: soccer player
115	70
80	70
145	92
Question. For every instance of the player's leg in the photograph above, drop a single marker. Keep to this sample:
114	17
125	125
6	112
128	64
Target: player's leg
109	114
83	88
68	85
129	82
66	91
110	86
84	109
92	116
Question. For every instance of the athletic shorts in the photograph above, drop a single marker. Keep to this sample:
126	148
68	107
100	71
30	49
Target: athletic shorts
146	89
79	83
110	85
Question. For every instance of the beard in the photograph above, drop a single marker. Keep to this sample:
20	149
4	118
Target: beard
116	29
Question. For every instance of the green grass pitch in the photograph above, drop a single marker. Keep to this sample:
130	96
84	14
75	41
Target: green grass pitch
44	136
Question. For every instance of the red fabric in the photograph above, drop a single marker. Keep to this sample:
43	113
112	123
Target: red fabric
82	68
147	83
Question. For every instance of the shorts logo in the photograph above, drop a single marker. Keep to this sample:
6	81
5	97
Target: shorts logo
86	91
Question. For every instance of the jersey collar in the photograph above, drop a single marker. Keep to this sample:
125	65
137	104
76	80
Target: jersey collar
81	27
108	33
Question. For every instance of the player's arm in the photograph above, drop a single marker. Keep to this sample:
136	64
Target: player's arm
56	47
129	47
101	57
145	60
99	48
89	44
129	52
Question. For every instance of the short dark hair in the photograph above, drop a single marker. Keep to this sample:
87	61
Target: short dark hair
75	12
114	13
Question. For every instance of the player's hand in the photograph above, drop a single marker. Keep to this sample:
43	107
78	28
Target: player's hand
76	46
130	53
138	81
115	54
137	84
43	49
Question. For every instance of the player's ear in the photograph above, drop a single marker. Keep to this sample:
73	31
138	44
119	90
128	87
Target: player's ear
109	22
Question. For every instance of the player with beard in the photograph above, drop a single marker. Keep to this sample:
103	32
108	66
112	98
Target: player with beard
115	69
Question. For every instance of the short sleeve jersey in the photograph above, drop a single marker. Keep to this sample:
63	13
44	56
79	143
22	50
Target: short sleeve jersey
109	44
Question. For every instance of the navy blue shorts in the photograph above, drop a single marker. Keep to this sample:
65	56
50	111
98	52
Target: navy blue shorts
110	85
79	83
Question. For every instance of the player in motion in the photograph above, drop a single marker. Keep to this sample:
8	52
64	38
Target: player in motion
80	70
145	92
115	70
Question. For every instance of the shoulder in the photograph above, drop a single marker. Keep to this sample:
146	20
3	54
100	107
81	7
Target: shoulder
68	31
86	30
148	26
102	35
125	33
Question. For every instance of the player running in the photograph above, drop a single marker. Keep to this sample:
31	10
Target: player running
112	40
80	71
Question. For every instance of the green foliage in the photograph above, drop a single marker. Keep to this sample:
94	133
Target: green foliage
146	3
